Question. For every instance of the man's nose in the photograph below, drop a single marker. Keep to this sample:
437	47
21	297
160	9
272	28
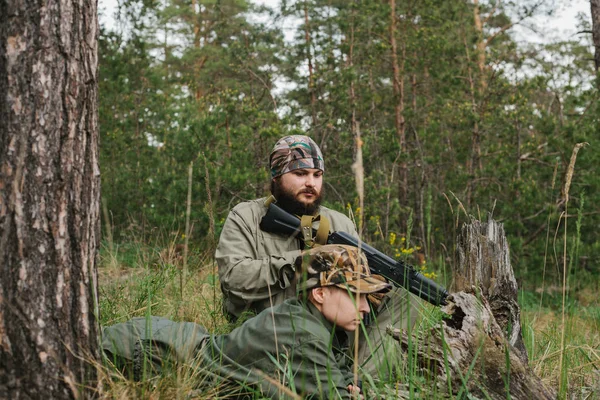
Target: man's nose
363	305
309	181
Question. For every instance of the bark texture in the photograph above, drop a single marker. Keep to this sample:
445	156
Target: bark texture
479	350
49	198
483	261
595	9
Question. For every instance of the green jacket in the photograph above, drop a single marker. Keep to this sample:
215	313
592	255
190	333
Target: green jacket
256	267
291	343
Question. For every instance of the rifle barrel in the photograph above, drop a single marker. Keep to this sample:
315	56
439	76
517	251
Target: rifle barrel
277	220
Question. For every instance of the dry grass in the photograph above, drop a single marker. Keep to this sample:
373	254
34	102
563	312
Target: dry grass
581	349
154	288
158	286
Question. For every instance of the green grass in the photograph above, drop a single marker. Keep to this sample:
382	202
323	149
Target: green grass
542	332
137	281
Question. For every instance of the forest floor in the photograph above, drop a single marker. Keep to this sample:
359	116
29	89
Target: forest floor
151	283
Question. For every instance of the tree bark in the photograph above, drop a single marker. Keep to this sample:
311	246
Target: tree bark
481	46
311	79
479	350
595	8
399	120
49	199
398	80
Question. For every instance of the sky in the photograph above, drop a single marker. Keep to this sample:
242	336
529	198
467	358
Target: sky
559	26
562	25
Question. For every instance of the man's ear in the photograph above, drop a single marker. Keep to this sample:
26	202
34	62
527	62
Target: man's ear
318	294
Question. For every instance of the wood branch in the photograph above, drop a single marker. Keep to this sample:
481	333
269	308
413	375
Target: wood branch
491	13
506	27
594	100
311	83
478	350
498	33
595	11
265	85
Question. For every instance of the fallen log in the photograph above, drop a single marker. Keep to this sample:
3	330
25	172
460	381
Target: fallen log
478	349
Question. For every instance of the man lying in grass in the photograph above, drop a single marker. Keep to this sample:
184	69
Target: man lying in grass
300	344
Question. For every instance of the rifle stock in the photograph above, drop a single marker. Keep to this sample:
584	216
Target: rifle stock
399	273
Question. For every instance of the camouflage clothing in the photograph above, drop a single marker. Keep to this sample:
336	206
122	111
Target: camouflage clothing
338	265
295	152
311	354
256	268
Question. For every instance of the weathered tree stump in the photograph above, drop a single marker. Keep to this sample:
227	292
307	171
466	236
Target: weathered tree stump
479	349
483	261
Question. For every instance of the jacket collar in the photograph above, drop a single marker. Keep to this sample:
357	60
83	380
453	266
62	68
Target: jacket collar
340	337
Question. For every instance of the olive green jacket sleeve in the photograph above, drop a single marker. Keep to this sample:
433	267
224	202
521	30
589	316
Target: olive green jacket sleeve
291	344
146	345
309	369
256	267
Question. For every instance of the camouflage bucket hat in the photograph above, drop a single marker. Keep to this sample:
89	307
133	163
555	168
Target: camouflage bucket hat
295	152
337	265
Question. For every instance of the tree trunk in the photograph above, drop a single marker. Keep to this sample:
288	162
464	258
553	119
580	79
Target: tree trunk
49	199
481	46
311	82
595	8
399	120
484	262
479	350
474	159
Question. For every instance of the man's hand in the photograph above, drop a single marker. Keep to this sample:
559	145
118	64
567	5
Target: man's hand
355	392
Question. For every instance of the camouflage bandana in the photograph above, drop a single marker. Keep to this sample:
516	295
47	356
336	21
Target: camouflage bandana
336	265
295	152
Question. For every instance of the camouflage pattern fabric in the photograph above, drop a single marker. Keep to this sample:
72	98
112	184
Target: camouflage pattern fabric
338	265
295	152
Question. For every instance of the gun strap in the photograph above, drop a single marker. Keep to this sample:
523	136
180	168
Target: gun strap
269	200
306	230
323	231
306	222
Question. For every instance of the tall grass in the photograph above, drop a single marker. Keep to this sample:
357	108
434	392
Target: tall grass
138	281
561	333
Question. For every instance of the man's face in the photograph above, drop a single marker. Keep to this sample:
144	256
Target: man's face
299	191
340	308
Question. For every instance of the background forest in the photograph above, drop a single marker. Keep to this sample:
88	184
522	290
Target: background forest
455	117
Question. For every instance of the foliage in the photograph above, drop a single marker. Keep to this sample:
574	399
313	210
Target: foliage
475	124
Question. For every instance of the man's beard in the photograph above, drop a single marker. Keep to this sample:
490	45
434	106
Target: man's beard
287	200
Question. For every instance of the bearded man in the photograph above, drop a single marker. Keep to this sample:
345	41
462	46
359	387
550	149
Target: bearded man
256	268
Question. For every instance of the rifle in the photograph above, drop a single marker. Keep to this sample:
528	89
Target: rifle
399	273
